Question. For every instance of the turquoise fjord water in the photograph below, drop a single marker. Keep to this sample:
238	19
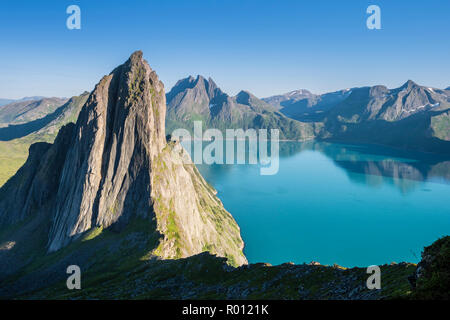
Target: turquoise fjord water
354	205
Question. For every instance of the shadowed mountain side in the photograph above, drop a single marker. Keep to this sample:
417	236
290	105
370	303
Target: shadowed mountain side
20	130
14	153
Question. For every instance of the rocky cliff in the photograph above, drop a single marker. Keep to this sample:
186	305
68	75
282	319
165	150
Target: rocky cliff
114	167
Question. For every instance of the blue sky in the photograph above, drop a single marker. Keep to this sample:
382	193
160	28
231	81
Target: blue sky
266	47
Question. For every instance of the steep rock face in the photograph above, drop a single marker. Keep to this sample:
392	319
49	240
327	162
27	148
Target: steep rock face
116	138
115	165
34	185
189	215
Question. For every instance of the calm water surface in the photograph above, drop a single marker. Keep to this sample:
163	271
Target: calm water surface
334	203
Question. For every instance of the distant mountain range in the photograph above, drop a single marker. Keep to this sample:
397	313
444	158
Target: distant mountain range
367	103
409	117
43	117
306	106
8	101
23	111
197	98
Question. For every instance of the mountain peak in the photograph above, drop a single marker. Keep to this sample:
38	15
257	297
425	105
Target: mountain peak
136	56
114	167
244	97
244	93
299	92
409	84
122	122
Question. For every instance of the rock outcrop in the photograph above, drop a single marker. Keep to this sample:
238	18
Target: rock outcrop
114	166
431	279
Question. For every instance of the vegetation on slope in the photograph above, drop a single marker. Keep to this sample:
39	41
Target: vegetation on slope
432	277
14	153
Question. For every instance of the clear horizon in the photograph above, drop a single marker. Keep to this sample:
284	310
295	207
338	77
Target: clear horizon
265	48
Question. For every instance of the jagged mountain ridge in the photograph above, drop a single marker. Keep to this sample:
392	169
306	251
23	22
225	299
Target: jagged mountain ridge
111	168
381	103
364	103
411	117
198	99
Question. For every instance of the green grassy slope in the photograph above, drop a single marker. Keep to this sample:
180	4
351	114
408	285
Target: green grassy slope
14	153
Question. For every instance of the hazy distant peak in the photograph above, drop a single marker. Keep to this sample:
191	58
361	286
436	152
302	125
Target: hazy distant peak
31	98
298	92
244	97
245	93
378	90
409	85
